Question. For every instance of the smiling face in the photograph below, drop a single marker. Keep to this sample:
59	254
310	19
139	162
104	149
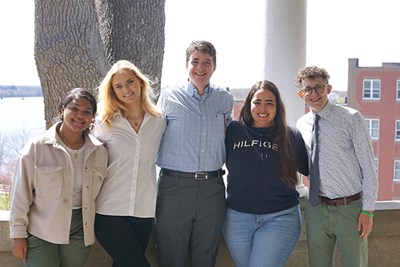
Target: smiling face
127	87
77	115
316	101
263	108
200	67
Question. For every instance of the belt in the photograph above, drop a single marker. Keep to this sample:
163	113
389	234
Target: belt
340	201
193	175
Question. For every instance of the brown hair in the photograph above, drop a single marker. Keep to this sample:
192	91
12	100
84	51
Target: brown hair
280	133
203	46
311	73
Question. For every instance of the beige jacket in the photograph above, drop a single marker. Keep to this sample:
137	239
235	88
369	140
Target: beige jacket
43	185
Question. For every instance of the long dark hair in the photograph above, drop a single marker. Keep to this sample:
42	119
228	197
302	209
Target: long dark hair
280	133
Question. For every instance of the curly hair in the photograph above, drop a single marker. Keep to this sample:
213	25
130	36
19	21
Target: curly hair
311	73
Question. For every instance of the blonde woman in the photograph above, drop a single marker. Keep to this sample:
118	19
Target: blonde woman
131	127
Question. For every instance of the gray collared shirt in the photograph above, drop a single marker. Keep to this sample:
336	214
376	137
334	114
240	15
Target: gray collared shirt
345	153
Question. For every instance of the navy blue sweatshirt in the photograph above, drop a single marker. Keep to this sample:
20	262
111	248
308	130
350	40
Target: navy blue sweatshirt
254	170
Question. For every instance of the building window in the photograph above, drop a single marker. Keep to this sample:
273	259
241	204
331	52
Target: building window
373	128
397	129
396	175
371	89
398	90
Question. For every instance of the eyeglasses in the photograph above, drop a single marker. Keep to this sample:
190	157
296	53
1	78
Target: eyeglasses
318	89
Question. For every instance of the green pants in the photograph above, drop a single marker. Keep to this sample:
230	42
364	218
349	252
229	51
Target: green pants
42	253
328	225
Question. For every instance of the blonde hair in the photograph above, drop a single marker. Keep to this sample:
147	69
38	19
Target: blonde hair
109	103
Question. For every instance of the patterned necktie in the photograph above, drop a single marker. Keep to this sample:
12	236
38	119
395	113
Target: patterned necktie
314	170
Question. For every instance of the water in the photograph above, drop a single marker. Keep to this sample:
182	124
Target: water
20	119
18	113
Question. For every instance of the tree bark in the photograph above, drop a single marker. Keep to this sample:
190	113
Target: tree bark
134	30
68	50
76	42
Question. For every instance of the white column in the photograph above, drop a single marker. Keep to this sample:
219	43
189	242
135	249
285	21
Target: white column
285	53
285	50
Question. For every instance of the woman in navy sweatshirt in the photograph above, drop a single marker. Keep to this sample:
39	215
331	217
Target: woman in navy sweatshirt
264	157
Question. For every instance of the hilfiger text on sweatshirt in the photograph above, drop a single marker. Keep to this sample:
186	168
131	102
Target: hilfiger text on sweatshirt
255	143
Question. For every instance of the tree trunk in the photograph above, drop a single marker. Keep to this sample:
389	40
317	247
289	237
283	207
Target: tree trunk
68	50
76	41
134	30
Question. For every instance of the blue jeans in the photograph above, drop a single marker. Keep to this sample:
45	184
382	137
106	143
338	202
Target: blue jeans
262	239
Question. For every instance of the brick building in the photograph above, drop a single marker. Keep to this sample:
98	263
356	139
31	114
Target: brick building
375	91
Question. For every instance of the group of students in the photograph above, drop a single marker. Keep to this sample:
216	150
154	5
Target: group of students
73	185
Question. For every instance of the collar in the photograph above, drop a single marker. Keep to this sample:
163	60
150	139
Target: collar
265	131
51	137
191	90
325	111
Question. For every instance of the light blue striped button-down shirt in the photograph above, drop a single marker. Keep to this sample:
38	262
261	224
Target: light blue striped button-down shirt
193	140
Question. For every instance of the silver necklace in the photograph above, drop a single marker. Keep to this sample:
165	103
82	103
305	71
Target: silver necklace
260	154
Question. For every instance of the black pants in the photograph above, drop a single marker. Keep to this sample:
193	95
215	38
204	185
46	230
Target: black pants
125	238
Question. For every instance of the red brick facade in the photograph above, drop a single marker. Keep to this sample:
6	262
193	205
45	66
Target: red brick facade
382	105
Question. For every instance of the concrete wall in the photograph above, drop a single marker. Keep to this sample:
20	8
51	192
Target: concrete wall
383	241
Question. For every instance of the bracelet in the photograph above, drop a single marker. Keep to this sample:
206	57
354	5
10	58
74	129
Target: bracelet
369	214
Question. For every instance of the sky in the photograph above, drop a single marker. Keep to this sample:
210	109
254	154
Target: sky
336	31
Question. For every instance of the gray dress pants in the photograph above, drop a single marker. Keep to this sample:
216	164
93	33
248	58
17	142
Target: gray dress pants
189	218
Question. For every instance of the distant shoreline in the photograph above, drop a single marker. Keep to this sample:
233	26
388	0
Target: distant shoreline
7	91
20	96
